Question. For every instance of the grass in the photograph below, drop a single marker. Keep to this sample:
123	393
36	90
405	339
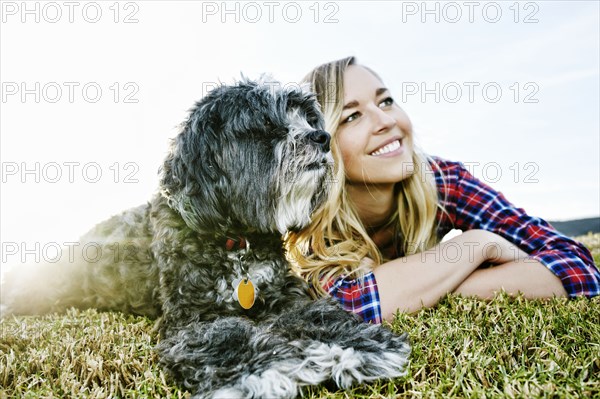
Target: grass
509	347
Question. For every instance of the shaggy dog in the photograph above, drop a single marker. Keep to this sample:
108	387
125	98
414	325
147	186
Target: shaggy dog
206	256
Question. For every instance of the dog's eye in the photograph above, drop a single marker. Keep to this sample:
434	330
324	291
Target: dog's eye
276	128
316	122
314	119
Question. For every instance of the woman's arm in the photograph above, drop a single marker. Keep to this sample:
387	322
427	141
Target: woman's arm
471	204
421	280
528	276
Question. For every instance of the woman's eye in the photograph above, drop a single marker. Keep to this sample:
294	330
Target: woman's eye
386	102
350	118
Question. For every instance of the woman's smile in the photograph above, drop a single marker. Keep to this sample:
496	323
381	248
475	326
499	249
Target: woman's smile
389	149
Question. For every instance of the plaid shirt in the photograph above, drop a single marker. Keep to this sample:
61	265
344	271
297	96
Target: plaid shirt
471	204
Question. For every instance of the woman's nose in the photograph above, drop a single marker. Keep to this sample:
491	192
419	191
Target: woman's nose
382	121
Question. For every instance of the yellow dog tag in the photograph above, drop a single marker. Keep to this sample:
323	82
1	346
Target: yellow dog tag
245	293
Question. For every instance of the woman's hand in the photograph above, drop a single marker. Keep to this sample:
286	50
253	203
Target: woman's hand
494	248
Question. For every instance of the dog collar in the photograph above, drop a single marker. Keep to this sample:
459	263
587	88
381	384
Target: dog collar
235	243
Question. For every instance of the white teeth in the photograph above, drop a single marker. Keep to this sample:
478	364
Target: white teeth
394	145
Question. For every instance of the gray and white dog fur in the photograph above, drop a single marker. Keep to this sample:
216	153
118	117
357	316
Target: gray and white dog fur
252	160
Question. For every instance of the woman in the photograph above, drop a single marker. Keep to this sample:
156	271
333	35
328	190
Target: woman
375	246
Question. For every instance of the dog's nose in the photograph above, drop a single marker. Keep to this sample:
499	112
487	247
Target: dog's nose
320	137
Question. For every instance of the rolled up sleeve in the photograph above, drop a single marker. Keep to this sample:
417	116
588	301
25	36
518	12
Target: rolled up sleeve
357	296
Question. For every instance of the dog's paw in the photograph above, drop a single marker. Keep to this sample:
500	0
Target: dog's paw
391	360
350	366
385	357
271	383
225	393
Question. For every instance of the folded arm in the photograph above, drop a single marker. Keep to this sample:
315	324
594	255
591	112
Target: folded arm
421	280
528	276
553	258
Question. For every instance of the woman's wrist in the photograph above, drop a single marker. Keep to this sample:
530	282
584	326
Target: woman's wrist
473	245
492	248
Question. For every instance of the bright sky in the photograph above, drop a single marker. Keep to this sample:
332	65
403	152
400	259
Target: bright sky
510	88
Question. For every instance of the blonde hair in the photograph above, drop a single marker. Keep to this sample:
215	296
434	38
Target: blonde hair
336	241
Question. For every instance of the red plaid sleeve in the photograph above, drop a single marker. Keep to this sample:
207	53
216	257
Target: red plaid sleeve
471	204
357	296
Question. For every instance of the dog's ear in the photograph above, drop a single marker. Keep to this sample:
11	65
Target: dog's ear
190	173
184	150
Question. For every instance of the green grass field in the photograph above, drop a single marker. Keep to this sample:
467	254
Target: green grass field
509	347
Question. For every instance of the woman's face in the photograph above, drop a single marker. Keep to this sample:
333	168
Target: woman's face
375	134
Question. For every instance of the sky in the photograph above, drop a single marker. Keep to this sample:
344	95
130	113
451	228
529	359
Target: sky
93	91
